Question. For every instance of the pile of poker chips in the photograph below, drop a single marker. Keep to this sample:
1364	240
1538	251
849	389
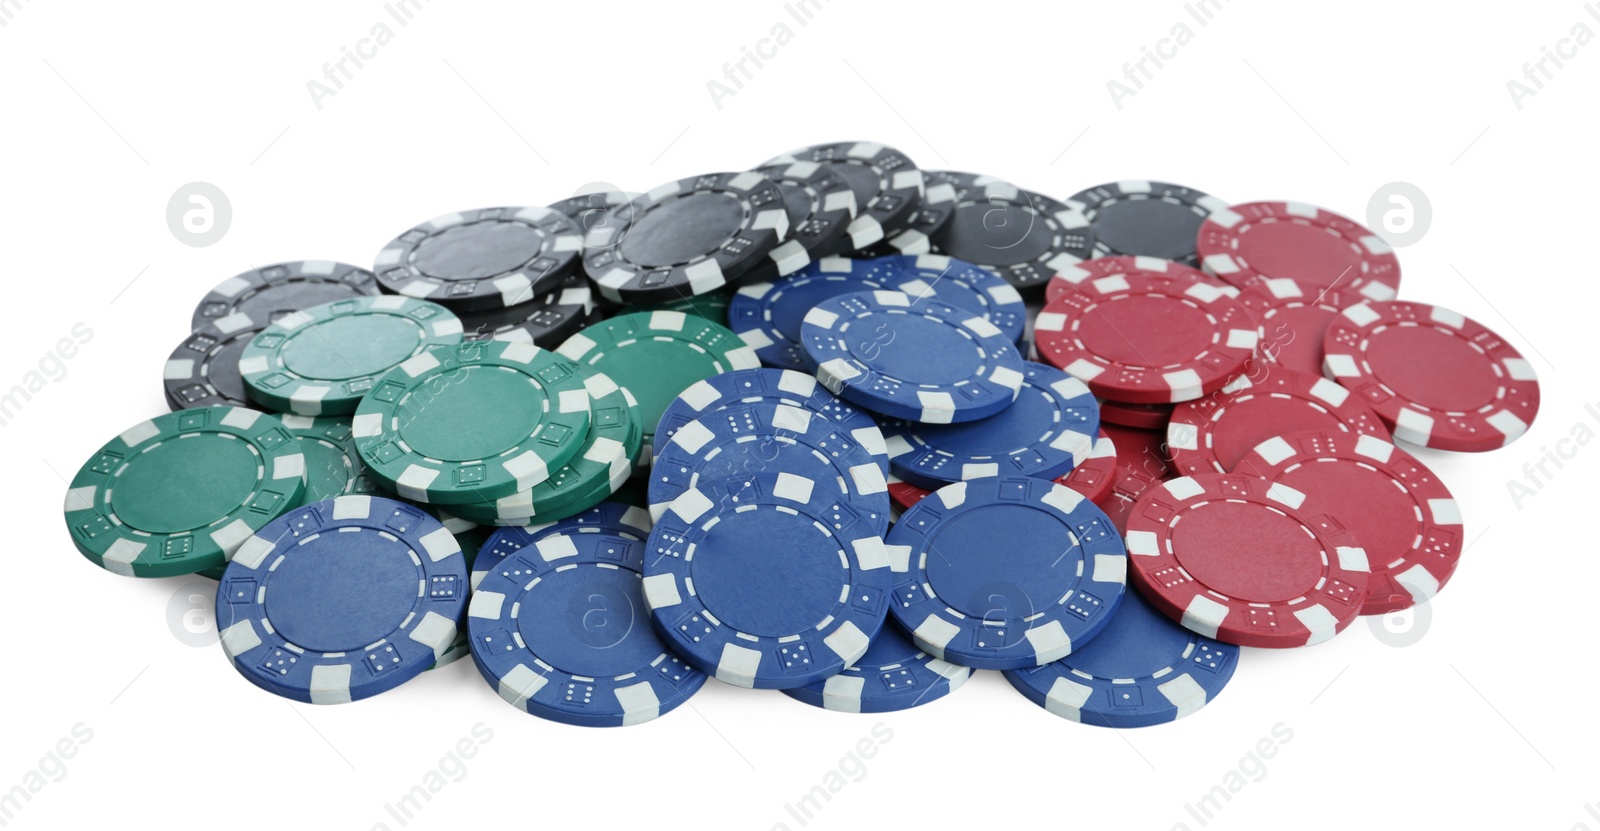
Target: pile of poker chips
462	451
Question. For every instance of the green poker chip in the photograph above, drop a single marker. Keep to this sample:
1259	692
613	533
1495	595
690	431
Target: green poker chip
657	355
616	433
333	467
179	493
473	422
712	307
323	360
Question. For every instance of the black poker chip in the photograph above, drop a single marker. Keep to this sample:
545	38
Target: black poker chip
490	258
1141	218
887	184
267	293
1023	236
204	370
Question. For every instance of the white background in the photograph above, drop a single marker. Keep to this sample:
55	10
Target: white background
109	108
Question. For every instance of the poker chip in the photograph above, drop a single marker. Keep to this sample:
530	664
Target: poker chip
1293	319
204	370
610	517
1435	377
1062	576
1405	518
1141	416
656	355
1144	218
772	435
323	360
887	185
820	206
893	675
1243	560
1141	671
545	321
1244	244
960	284
266	294
333	465
929	361
489	258
1023	236
179	493
1211	435
1045	433
341	600
933	213
766	581
470	537
1094	475
1147	338
473	423
767	316
601	466
1067	280
687	237
559	630
719	392
1092	478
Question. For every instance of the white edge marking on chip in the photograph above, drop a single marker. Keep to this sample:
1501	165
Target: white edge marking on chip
661	591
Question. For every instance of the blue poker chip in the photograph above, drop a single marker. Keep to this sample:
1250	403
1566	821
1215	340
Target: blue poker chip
558	629
767	316
721	391
918	359
766	581
773	435
1048	431
342	599
893	675
1143	669
958	283
1062	572
610	517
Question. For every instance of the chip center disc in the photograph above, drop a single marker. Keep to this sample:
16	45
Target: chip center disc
913	348
308	597
791	304
1002	562
1149	226
477	250
682	229
1147	330
997	233
655	371
1308	253
351	346
588	621
785	586
185	483
478	412
1383	515
1433	369
1247	552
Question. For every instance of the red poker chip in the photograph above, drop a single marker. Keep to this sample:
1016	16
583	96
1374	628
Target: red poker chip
1436	378
1406	519
1092	478
1241	559
1292	317
1142	416
1068	279
1147	338
1211	435
1141	465
1256	240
